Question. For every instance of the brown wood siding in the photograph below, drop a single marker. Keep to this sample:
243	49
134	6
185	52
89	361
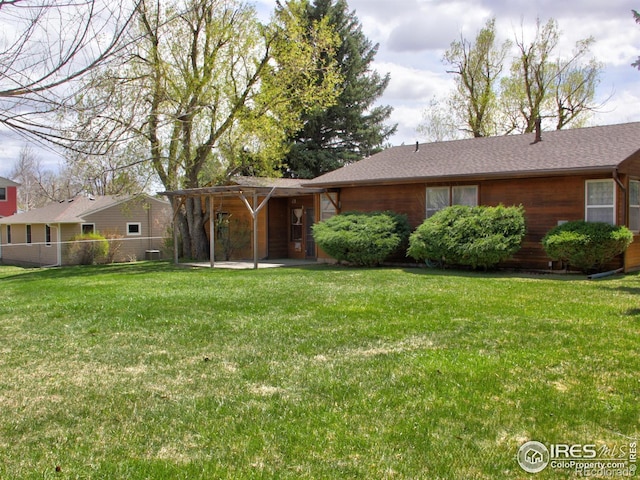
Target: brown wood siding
632	255
546	201
278	228
407	199
631	166
241	224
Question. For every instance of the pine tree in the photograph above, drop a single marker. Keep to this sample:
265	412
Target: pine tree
352	128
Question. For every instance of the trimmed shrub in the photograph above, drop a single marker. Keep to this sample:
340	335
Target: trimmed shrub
586	245
88	248
474	236
363	239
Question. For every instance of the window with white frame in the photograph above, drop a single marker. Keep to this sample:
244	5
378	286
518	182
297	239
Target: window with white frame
8	233
600	201
88	228
442	197
465	195
134	228
28	233
328	205
3	194
47	235
634	205
437	199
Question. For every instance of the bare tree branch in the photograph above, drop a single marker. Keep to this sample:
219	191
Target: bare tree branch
47	48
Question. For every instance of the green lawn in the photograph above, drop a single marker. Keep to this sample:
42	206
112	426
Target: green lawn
147	371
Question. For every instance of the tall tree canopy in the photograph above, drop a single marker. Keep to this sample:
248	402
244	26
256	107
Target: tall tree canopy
540	83
353	127
477	68
636	16
209	92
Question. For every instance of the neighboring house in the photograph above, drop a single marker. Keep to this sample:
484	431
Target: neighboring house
41	236
8	197
589	173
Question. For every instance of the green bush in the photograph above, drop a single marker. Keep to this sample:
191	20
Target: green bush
474	236
363	239
88	248
586	245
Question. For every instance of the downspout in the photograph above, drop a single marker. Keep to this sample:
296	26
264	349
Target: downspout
625	220
212	234
616	177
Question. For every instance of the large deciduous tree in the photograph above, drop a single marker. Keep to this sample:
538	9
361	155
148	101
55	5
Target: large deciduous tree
477	67
543	87
210	92
353	127
540	84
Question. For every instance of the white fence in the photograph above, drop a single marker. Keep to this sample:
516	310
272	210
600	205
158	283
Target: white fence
125	249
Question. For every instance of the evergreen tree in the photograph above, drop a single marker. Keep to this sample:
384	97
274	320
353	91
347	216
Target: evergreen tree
352	128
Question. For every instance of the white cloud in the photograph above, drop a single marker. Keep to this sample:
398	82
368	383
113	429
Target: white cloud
410	84
413	35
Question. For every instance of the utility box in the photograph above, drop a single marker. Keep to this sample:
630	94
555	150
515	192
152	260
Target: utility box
152	254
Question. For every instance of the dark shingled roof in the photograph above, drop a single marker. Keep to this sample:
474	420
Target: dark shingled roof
560	151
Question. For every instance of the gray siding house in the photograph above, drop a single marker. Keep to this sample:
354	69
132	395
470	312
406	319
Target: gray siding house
41	236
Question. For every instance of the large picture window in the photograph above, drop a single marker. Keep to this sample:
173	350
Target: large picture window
634	205
442	197
600	204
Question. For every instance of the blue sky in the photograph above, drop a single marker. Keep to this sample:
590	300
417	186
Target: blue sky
413	35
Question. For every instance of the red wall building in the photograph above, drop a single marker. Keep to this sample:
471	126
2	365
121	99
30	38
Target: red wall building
8	197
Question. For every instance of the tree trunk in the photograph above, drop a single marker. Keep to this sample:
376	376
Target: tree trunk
196	221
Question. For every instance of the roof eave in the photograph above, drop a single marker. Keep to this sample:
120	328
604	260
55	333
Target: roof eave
233	190
470	176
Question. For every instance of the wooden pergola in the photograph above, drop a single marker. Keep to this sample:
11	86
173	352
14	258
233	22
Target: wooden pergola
271	188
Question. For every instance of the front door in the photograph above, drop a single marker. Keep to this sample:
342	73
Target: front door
310	244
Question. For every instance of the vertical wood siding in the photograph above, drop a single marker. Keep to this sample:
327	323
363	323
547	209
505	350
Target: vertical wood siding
546	200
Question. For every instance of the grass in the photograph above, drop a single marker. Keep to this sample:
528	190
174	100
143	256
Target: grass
146	371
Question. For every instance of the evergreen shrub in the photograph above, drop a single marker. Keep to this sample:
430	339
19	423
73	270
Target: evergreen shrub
362	239
586	246
472	236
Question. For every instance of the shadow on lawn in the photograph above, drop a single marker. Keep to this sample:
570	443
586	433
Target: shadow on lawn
495	274
53	273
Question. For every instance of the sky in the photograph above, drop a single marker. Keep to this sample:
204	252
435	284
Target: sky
414	34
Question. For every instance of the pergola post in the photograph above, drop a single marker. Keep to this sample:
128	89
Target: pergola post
212	234
254	214
175	233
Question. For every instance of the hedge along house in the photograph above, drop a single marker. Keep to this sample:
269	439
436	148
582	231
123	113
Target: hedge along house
138	225
589	173
258	218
